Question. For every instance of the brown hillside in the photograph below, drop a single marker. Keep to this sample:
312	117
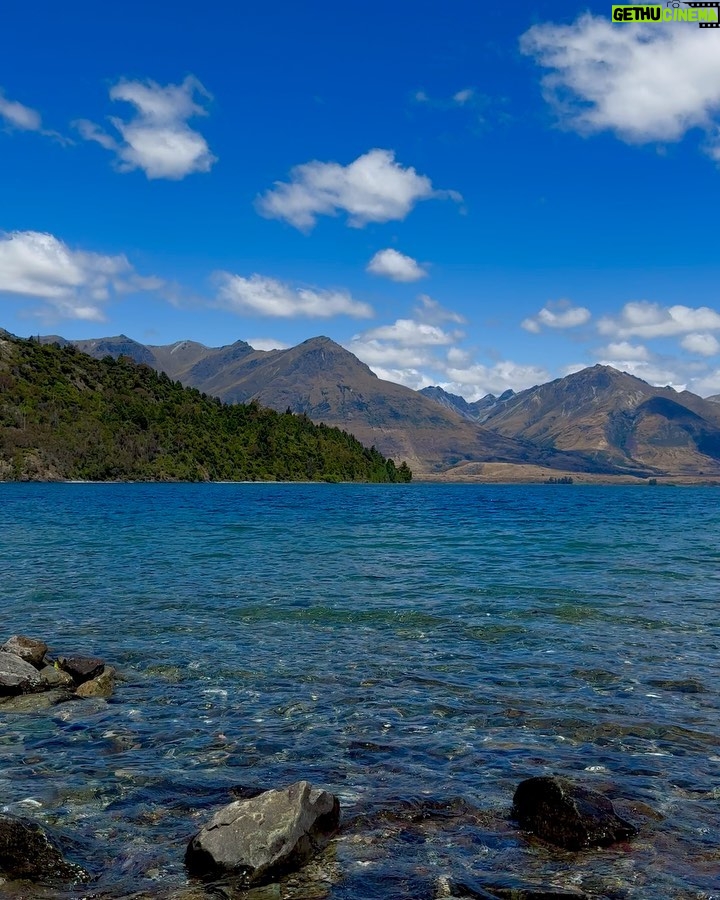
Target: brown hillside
617	419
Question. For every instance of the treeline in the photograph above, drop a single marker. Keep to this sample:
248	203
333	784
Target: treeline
64	415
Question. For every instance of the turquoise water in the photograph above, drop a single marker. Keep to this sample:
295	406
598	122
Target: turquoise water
399	645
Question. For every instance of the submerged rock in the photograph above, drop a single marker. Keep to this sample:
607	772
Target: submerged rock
26	648
269	835
81	668
680	685
100	686
448	887
568	815
54	677
18	676
32	703
28	851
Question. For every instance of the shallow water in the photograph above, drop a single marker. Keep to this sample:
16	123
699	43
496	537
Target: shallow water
398	645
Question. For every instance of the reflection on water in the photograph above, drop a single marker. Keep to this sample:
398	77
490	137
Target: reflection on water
416	649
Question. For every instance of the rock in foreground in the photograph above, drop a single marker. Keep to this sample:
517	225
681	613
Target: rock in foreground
18	676
26	648
28	851
269	835
568	815
100	686
81	668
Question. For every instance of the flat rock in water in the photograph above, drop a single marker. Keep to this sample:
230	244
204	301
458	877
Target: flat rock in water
100	686
26	648
18	676
568	815
266	836
82	668
32	703
448	887
28	851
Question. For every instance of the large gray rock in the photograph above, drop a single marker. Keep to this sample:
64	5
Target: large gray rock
26	648
18	676
269	835
567	814
28	851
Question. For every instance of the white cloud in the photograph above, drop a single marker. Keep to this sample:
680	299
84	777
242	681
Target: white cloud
23	118
267	344
418	352
18	116
561	314
463	96
702	344
400	363
262	296
401	350
373	188
158	139
679	371
409	333
475	381
376	353
659	374
571	368
431	311
625	350
73	283
644	83
406	351
457	357
707	384
395	266
410	377
650	320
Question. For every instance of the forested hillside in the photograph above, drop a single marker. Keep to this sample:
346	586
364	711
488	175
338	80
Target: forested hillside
64	415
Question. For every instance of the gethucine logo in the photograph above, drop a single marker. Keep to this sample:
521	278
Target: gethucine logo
706	14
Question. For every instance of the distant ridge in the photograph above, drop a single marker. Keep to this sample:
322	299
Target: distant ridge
477	411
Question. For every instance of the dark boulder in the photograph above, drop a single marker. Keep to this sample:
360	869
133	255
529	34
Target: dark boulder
568	815
28	851
18	676
26	648
268	835
82	668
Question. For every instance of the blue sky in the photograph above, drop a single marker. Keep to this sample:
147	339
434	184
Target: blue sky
473	195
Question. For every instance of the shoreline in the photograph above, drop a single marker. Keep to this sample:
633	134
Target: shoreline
579	479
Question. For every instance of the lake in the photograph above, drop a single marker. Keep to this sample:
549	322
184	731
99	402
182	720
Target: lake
417	649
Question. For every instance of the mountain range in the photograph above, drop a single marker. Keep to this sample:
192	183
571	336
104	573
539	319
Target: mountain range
599	420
